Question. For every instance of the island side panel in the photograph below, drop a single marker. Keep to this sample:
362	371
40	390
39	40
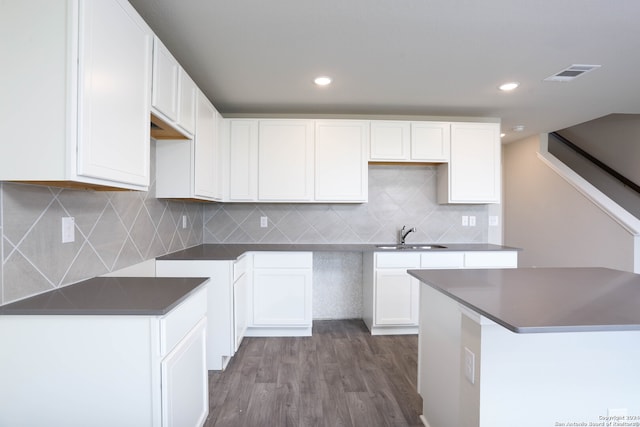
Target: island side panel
548	379
439	358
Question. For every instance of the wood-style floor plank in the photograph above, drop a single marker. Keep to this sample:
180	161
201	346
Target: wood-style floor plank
340	377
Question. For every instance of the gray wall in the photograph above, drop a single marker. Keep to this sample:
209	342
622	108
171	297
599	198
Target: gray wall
554	223
612	139
113	230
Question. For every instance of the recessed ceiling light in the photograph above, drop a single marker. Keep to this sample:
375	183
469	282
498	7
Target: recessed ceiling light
322	81
518	128
502	135
506	87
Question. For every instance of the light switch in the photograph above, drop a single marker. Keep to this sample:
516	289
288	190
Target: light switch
472	221
264	222
465	220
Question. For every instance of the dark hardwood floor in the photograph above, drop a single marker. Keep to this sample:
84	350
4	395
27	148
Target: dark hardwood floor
341	376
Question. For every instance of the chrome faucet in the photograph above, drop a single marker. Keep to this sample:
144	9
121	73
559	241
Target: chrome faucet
403	234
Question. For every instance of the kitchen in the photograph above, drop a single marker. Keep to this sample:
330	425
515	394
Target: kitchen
119	229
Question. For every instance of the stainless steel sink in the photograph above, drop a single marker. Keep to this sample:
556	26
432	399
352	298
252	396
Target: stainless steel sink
409	247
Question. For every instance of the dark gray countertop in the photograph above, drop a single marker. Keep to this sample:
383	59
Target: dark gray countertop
533	300
234	251
149	296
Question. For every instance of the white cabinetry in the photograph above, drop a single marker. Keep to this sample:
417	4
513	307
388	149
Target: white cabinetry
173	96
285	159
192	169
242	276
280	300
404	141
243	160
188	94
391	296
473	172
105	370
220	307
341	161
164	96
75	102
297	160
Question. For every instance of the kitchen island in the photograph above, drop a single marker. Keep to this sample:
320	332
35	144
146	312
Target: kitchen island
527	347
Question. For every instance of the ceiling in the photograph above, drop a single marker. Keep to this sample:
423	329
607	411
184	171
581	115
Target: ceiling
442	58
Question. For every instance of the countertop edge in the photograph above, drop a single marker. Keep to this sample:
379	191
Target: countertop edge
233	251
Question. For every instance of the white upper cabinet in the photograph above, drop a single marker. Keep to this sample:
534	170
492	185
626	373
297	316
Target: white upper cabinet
164	98
76	102
173	97
243	160
390	140
341	161
285	159
193	169
188	92
473	172
404	141
430	141
207	155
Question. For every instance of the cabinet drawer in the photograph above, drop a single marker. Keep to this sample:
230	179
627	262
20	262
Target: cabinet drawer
175	325
283	260
491	259
398	260
442	260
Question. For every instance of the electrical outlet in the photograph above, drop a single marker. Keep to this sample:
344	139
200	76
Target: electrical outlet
469	365
68	229
264	222
493	220
465	220
184	221
472	221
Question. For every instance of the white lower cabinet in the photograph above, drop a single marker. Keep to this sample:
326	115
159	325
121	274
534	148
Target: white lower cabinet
391	296
220	329
242	276
105	370
185	397
280	299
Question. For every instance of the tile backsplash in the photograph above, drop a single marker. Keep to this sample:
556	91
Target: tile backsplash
112	230
117	229
398	195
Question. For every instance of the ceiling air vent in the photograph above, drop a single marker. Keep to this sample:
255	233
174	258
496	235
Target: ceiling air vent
571	73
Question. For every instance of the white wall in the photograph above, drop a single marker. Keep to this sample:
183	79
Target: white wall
554	223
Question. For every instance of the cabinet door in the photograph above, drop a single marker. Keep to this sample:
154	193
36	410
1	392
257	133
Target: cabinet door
281	296
188	92
285	160
185	394
473	172
240	305
341	161
114	93
396	298
390	140
206	138
243	160
430	141
164	94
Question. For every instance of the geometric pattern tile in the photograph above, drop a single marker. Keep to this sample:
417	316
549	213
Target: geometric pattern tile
118	229
398	195
112	230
